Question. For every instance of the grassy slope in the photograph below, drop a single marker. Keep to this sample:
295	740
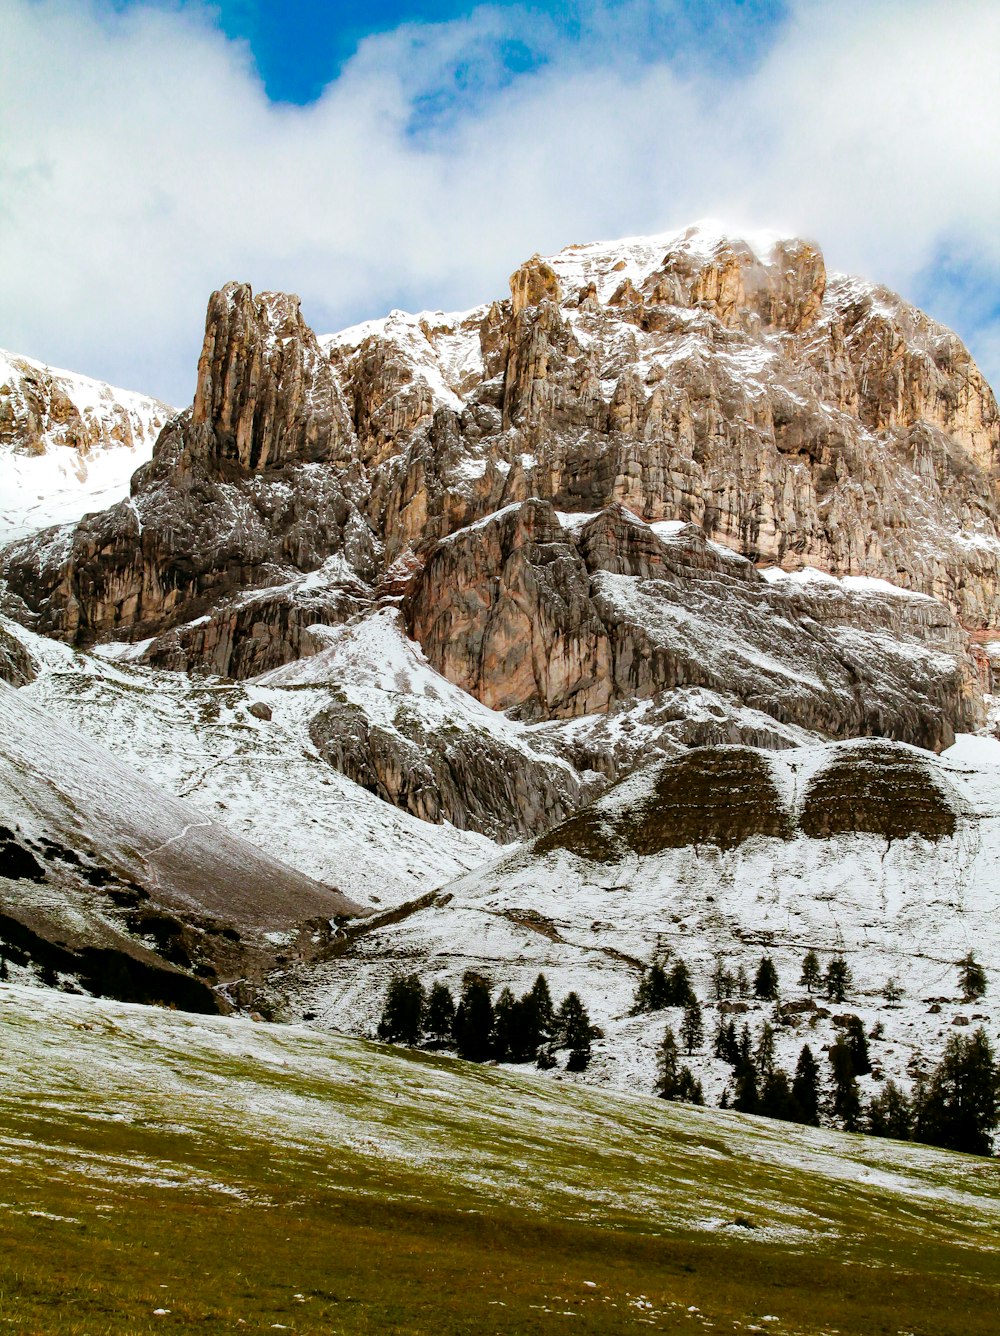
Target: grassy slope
243	1176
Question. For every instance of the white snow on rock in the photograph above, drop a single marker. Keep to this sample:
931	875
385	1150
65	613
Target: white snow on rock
68	444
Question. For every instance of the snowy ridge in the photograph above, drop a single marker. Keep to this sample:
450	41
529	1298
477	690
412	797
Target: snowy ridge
68	444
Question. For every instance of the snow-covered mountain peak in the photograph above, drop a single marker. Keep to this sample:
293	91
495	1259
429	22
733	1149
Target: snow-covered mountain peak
68	444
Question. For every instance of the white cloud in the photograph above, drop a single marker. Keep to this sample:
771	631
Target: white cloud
141	165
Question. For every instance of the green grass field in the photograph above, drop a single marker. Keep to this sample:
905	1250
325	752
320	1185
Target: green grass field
246	1177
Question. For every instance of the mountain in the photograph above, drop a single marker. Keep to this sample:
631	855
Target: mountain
684	540
68	444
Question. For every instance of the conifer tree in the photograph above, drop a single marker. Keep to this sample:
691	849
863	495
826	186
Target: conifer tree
971	978
651	994
805	1088
668	1065
504	1037
838	979
723	982
775	1095
474	1020
889	1114
679	990
742	982
403	1015
745	1091
764	1053
440	1017
857	1042
765	984
674	1081
544	1010
960	1106
810	971
692	1026
574	1031
846	1099
726	1044
892	990
745	1046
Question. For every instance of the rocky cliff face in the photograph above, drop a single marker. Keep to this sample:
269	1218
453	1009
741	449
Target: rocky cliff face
556	619
698	407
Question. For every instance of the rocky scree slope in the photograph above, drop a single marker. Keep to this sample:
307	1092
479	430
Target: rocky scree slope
68	444
566	496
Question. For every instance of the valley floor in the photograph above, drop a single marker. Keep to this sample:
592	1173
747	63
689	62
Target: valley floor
166	1172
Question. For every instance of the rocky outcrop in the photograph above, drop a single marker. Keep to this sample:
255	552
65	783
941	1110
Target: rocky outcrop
265	390
16	664
786	417
728	796
250	490
466	777
43	409
555	621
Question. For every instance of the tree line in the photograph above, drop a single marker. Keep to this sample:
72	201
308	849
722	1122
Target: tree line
957	1106
480	1028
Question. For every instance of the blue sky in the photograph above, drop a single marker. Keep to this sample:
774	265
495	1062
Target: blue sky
300	46
413	153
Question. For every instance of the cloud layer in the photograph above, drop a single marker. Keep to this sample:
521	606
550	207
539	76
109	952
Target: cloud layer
141	164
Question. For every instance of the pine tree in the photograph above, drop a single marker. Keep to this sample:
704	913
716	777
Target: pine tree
810	971
765	984
692	1026
889	1114
403	1015
679	990
846	1099
524	1033
504	1026
668	1065
474	1020
838	979
544	1010
745	1093
440	1017
574	1031
854	1037
651	994
764	1053
744	1051
742	982
674	1081
960	1106
726	1044
892	990
723	982
776	1096
971	978
805	1088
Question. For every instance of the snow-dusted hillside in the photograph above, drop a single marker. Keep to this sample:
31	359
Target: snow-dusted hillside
262	779
642	873
68	444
